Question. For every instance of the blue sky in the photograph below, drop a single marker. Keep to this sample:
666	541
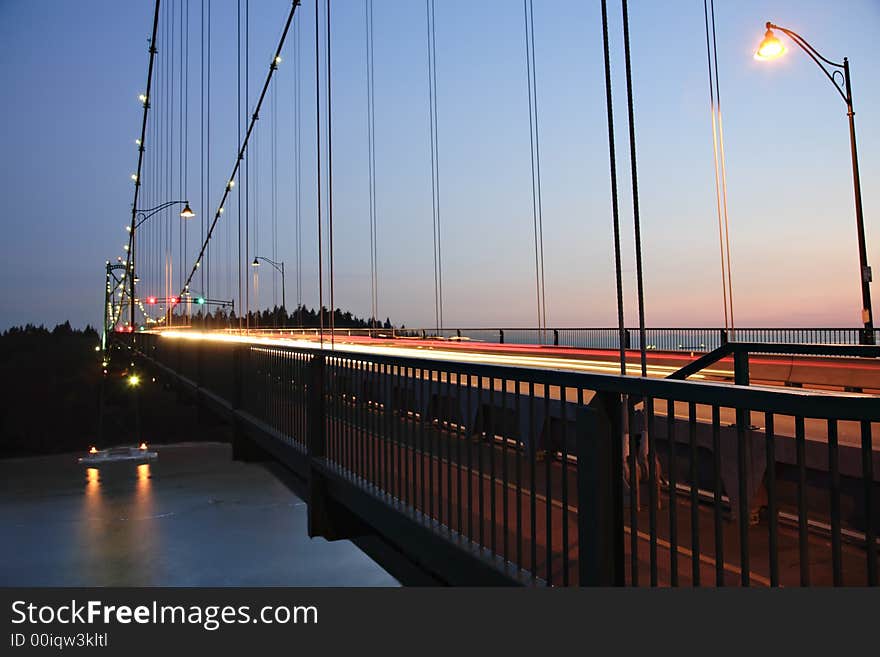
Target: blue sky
72	73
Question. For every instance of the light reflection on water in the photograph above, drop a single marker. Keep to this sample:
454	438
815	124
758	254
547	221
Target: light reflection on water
193	517
117	513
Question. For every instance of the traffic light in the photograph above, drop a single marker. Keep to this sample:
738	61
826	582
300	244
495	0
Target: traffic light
174	300
200	301
151	300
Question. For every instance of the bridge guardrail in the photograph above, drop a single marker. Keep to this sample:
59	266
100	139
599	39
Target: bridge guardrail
695	340
531	468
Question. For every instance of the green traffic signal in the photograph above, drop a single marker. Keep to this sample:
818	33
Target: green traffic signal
200	301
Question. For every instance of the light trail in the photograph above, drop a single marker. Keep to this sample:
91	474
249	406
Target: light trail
440	354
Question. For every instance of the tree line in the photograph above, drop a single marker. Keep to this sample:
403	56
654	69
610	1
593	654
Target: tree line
277	317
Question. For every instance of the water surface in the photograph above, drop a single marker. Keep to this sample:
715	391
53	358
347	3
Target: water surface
194	517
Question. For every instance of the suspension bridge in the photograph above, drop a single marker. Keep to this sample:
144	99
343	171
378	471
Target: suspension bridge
535	455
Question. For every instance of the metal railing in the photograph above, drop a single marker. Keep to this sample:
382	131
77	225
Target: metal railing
659	339
525	468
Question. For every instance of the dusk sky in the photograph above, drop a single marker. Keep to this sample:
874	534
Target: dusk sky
72	71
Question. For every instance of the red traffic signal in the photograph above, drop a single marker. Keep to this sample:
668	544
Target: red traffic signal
174	300
151	300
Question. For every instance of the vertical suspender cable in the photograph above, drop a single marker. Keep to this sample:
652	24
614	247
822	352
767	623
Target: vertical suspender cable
184	84
723	175
169	159
435	165
538	166
274	154
255	225
330	183
241	307
635	191
181	234
609	108
202	203
207	262
371	160
171	179
433	173
532	163
318	170
181	189
534	143
715	162
244	144
298	164
247	159
437	156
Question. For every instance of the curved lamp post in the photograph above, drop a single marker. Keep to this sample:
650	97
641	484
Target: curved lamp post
838	73
139	218
279	267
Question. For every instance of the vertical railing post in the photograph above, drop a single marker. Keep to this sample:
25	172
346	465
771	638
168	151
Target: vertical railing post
237	376
600	561
316	442
744	445
322	521
724	338
556	337
242	449
199	379
501	336
740	367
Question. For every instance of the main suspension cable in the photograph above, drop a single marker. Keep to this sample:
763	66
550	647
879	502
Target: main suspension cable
129	259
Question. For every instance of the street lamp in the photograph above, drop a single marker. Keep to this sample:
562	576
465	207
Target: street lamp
279	266
139	217
838	73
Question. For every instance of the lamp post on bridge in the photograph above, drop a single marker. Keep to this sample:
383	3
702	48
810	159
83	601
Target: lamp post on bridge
838	73
138	218
279	267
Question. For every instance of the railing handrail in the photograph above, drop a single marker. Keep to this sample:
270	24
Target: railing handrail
789	401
